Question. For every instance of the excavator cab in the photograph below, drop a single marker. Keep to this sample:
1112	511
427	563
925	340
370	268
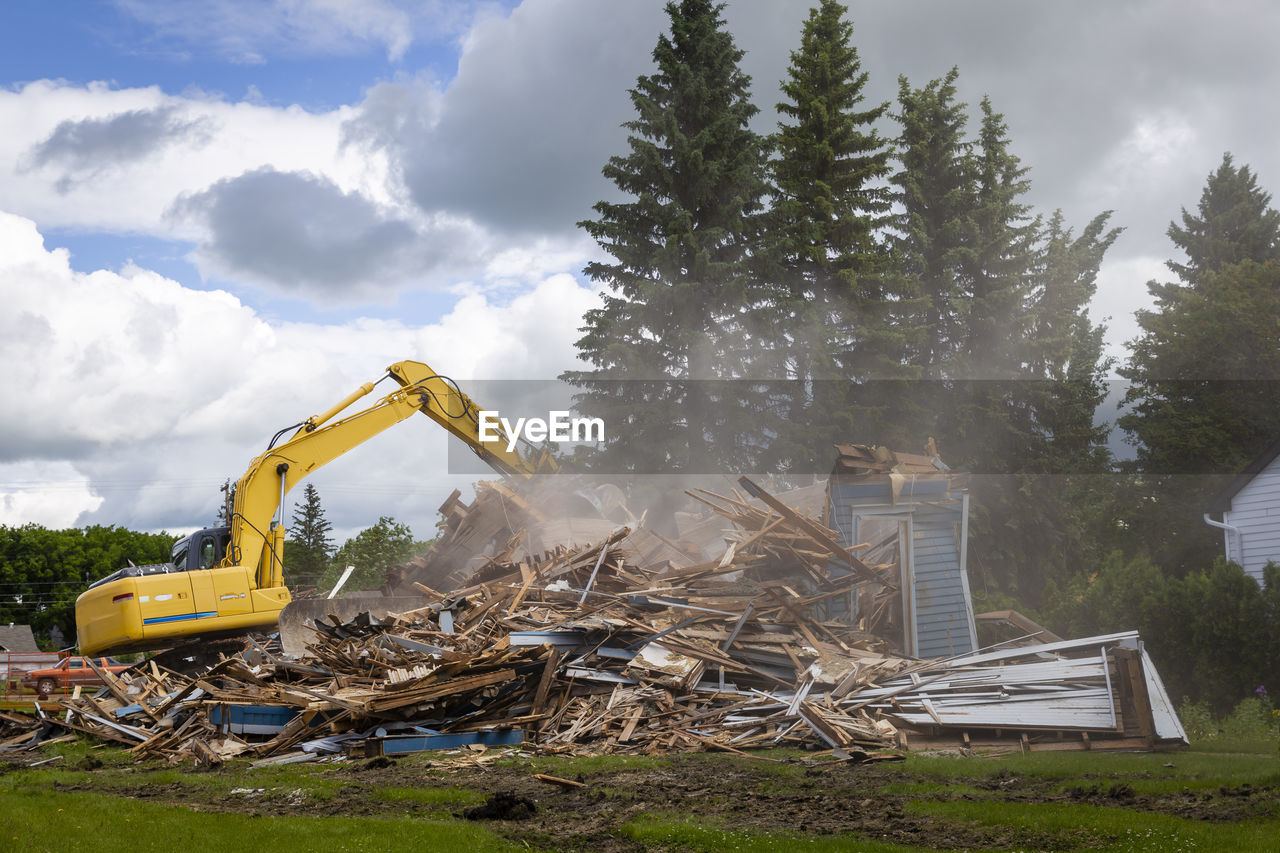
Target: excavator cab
204	549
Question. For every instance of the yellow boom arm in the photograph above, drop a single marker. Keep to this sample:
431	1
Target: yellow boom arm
157	606
320	439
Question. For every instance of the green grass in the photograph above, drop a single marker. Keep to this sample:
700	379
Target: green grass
1188	767
1224	743
684	833
1117	829
430	796
38	821
954	800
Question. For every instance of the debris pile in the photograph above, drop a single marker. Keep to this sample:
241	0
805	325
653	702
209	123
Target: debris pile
630	644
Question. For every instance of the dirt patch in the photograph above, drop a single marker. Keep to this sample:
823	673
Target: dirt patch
504	805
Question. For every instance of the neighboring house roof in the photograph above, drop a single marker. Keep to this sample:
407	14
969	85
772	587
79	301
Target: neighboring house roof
1222	501
17	638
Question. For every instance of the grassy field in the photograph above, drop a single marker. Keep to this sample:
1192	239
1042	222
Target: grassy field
1221	795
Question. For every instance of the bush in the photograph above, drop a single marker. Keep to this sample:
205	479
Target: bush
1198	720
1214	634
1253	718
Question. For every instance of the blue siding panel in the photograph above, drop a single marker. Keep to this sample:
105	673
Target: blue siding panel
941	606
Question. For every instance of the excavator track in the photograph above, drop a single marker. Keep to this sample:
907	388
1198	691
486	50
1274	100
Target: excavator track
194	657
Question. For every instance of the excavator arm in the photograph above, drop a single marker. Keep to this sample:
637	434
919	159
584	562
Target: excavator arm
155	606
321	439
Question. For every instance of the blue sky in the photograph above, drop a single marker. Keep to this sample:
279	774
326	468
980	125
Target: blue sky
86	40
218	216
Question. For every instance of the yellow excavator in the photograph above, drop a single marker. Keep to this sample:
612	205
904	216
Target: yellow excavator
228	581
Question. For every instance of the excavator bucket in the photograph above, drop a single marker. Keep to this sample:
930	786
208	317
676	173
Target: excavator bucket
298	616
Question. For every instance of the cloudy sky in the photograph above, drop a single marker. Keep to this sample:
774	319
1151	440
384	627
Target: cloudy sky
219	216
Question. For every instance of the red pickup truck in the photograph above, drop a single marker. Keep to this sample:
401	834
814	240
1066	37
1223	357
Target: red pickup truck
69	672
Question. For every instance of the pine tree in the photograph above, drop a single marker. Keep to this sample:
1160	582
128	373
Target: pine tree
1065	352
1210	335
935	190
997	259
679	282
1043	519
1017	367
832	307
308	547
1208	332
1204	370
989	415
1234	222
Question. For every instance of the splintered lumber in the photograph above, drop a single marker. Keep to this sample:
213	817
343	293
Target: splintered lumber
820	535
604	647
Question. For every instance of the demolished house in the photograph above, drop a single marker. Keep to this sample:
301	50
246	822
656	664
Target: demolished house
833	617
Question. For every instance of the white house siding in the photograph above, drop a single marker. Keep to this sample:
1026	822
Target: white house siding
1255	513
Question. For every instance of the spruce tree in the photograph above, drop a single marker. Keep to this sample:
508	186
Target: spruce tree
1016	366
997	258
679	282
1204	371
832	304
934	190
1046	515
1211	335
308	548
1065	347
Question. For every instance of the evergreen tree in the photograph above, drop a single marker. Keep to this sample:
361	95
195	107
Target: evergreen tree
308	547
1066	346
997	258
1039	524
1017	366
935	191
989	414
680	281
1209	334
1205	369
833	307
1234	223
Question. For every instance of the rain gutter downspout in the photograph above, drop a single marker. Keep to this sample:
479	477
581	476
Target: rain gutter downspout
1231	530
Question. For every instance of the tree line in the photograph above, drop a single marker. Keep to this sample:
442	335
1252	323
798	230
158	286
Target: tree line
874	273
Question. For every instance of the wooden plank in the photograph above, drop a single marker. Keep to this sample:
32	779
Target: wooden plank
820	536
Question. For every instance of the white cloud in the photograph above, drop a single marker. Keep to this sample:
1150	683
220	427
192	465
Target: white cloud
1122	290
52	494
278	199
518	138
78	139
108	357
145	395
